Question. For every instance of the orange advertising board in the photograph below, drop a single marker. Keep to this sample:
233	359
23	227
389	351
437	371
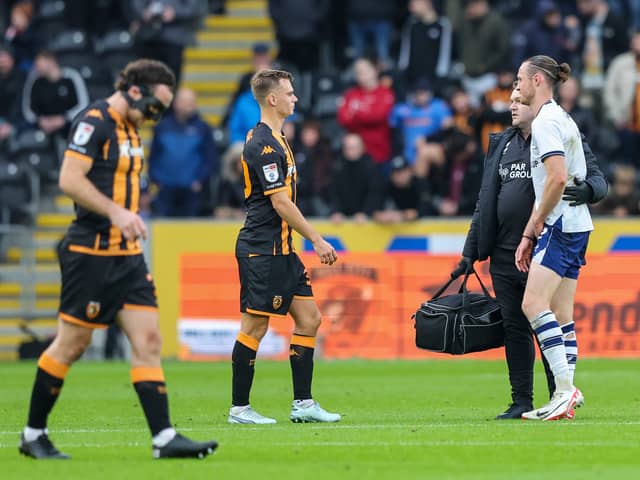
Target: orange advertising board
367	301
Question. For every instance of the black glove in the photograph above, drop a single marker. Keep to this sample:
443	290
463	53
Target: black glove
578	194
464	266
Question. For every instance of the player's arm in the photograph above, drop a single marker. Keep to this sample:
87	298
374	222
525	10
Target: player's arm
86	140
554	184
289	212
73	181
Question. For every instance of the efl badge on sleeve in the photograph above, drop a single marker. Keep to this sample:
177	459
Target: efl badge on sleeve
277	302
270	172
83	133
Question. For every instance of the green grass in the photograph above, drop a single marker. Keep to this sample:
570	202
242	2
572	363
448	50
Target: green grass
402	420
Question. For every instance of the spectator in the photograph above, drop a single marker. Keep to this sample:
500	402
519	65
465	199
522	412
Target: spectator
568	99
465	118
244	115
403	192
484	48
604	35
365	111
463	174
314	162
230	188
495	115
261	59
355	186
422	116
623	199
298	27
545	34
164	28
620	98
52	97
450	173
182	159
20	35
426	45
11	83
371	20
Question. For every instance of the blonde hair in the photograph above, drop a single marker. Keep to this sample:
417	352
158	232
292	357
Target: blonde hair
265	81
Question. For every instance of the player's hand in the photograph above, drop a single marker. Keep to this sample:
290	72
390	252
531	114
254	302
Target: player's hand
465	265
578	194
325	251
129	223
523	254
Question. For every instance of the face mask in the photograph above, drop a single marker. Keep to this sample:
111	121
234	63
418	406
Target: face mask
149	105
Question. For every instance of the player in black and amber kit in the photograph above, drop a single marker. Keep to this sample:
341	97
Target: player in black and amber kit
273	280
104	275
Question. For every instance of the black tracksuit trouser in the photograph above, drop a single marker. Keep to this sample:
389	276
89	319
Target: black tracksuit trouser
509	285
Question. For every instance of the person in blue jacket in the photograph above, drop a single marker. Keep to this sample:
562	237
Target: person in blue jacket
182	159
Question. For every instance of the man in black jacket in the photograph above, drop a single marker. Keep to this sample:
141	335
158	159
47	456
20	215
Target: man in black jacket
503	209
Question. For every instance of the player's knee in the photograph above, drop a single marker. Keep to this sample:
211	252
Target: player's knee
259	331
529	306
313	321
153	342
74	350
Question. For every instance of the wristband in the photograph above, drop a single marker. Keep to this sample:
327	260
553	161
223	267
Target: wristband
530	238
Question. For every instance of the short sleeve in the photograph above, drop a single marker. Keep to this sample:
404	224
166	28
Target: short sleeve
547	138
267	164
87	137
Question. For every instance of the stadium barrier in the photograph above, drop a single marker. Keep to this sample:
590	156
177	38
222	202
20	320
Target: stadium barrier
367	298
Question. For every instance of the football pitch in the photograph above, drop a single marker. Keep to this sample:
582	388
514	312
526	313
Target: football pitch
402	420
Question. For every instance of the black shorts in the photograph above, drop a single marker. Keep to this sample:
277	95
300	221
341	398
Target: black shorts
95	287
268	284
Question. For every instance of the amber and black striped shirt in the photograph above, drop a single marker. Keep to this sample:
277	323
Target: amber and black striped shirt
112	146
269	167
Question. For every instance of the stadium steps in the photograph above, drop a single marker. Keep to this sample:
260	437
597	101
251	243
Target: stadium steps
223	53
30	277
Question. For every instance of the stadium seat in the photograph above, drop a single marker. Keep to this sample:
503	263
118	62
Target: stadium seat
49	19
115	49
70	41
95	74
327	90
114	41
35	149
19	192
332	130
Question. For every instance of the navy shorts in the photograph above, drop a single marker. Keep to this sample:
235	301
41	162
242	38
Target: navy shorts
562	252
269	283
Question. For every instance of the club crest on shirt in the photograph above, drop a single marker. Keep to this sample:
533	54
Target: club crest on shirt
270	172
83	133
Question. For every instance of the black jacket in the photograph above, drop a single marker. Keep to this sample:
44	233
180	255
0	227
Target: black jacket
481	238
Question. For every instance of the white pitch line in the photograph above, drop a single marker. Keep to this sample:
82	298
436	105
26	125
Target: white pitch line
289	426
417	443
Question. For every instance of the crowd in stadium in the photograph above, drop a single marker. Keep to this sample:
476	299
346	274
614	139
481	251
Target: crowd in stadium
396	98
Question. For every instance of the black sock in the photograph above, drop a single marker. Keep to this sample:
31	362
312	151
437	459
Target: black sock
46	389
301	359
243	361
152	392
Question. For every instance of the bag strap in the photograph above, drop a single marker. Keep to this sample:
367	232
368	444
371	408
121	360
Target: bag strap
484	289
463	286
443	288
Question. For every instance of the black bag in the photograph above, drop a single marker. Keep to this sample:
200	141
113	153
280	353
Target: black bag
460	323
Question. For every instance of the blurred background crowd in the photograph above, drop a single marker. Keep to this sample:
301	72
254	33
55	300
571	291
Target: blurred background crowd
397	98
